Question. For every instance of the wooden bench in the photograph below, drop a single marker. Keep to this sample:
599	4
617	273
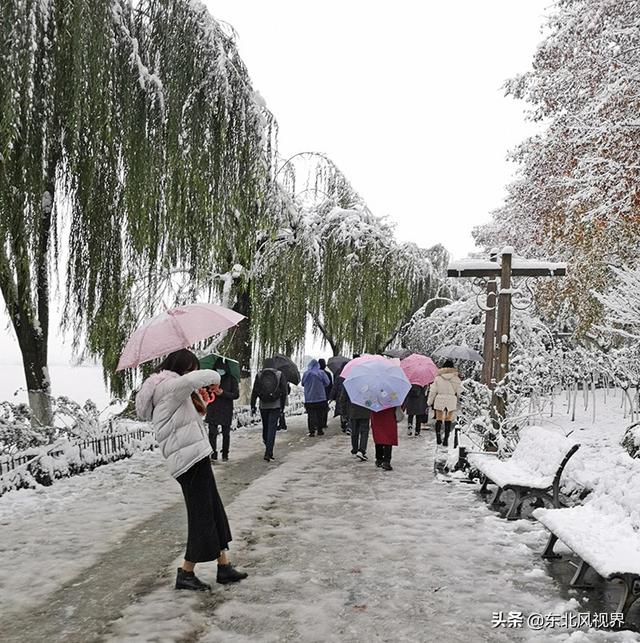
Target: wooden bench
533	470
604	533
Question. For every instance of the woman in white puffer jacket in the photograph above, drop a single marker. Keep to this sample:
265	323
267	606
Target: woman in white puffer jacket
169	399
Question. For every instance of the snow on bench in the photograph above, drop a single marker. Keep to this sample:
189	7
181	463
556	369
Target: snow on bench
533	470
604	532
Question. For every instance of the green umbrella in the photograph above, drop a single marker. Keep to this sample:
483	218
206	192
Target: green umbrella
210	361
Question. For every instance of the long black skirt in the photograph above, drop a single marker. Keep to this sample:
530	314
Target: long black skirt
208	527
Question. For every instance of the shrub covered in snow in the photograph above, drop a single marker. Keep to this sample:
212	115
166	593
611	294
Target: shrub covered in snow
631	440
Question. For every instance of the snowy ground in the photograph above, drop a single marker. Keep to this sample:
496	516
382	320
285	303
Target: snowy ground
337	549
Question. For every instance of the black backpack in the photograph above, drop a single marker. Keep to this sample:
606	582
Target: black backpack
269	390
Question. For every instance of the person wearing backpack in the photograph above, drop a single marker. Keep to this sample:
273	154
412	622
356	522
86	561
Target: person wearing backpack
315	382
270	387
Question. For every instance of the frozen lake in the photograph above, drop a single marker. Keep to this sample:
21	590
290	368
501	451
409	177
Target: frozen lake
76	382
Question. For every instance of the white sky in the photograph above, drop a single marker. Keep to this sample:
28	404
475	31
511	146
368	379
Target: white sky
404	96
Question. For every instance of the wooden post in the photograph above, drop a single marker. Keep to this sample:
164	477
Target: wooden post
504	328
490	327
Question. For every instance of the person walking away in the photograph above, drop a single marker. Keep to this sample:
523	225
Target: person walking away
415	406
336	396
282	420
220	412
358	417
270	387
324	418
384	428
443	396
168	399
315	382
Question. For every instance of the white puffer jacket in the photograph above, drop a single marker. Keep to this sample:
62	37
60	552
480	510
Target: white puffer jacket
165	400
445	390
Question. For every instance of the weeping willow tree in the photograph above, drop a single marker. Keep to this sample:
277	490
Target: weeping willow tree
131	144
337	263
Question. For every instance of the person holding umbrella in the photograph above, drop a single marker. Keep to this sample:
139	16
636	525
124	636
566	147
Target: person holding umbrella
415	406
220	412
384	428
168	399
443	396
315	382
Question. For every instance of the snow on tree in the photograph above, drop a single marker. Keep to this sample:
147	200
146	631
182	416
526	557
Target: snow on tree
576	193
340	264
131	142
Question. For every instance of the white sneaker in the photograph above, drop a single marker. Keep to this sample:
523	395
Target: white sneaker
361	456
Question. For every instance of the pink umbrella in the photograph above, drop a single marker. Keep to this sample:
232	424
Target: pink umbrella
419	369
175	329
366	358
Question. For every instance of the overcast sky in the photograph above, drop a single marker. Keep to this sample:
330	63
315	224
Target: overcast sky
404	96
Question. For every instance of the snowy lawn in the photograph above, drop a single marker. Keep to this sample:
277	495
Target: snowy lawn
600	458
51	534
341	551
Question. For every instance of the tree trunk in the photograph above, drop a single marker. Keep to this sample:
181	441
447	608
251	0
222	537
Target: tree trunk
28	306
335	349
240	345
33	345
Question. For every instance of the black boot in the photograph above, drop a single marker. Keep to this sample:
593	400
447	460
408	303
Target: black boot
214	455
229	574
447	430
188	580
438	428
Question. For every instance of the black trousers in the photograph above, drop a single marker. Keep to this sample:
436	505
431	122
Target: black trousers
383	452
315	412
208	527
420	419
214	431
324	415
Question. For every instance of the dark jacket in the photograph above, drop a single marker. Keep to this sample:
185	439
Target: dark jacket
271	404
336	395
352	411
220	411
416	400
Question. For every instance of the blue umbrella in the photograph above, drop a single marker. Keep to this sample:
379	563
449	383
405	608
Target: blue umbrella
377	385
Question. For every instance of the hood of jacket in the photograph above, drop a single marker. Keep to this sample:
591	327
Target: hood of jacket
313	365
448	373
144	399
270	362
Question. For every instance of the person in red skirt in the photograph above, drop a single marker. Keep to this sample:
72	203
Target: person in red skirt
384	427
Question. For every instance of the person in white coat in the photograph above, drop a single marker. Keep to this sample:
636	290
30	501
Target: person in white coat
169	398
444	393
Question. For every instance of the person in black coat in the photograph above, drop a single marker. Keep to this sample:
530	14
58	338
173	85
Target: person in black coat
220	411
336	396
415	406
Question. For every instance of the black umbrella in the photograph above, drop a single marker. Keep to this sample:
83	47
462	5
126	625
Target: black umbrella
336	363
399	353
285	366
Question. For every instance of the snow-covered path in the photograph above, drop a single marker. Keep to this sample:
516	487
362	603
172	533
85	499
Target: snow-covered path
341	551
337	551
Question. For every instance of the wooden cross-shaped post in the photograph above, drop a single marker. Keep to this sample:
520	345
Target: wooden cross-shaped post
498	328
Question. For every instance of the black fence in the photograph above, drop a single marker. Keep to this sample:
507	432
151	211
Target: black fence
105	445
